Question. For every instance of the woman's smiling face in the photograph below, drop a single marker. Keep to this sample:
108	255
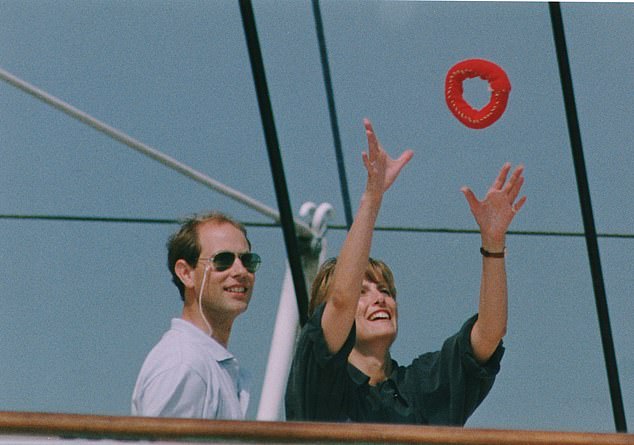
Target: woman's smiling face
377	313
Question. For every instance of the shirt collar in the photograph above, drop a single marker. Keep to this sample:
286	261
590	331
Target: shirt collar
217	351
359	378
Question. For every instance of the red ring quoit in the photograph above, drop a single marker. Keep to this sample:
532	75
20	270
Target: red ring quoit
498	83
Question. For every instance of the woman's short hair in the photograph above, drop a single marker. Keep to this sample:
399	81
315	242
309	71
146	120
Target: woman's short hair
377	272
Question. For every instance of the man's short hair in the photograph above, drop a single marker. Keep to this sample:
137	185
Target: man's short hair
184	244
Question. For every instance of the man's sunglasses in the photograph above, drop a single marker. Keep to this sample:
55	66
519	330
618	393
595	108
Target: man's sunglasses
224	260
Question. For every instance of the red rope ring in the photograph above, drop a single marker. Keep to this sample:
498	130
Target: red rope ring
498	83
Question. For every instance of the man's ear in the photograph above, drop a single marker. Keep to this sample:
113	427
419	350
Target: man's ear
185	272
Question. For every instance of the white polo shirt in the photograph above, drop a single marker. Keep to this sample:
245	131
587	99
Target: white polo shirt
189	374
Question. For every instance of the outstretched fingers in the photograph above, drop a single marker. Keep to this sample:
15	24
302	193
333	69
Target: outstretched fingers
396	165
515	182
501	197
501	178
378	163
518	205
513	188
471	198
374	147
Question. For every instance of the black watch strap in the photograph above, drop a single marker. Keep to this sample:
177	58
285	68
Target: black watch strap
486	253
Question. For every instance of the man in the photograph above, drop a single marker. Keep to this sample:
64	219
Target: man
190	373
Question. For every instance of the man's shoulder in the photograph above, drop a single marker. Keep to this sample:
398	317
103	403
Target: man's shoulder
177	348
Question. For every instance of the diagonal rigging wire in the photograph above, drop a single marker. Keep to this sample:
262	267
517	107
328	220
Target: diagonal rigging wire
146	149
325	68
285	216
588	218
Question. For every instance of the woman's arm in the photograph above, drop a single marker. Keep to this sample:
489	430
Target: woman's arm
494	215
345	287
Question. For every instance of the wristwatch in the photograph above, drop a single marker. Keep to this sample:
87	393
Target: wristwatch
486	253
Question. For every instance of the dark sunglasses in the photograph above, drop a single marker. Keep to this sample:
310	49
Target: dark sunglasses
224	260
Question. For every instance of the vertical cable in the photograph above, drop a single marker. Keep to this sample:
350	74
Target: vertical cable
275	158
588	219
325	68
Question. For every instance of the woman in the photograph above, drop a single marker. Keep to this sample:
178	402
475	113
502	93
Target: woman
342	369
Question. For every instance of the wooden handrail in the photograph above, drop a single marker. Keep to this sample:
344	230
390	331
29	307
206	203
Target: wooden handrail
145	428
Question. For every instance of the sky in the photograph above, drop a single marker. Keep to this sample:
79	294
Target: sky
84	302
